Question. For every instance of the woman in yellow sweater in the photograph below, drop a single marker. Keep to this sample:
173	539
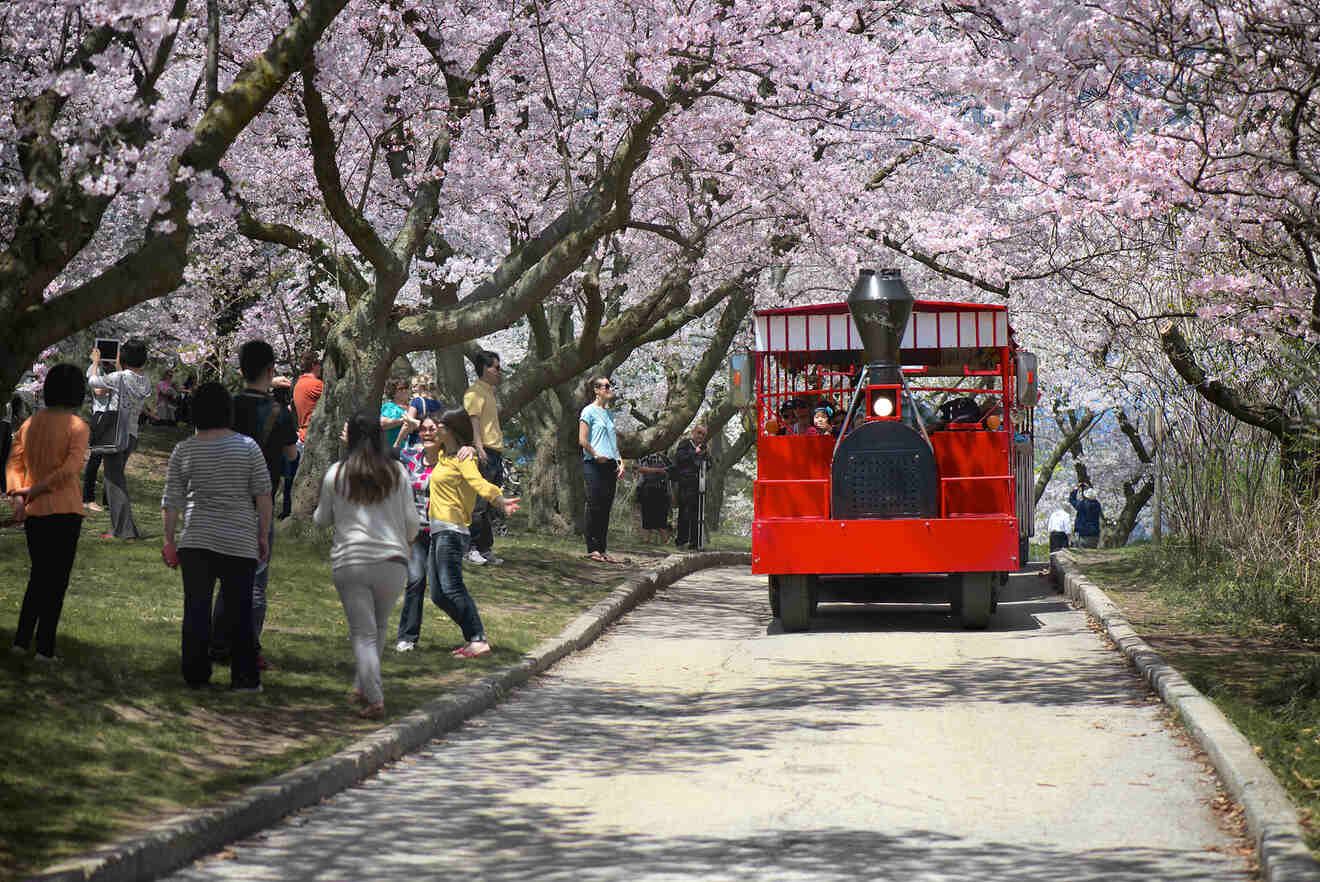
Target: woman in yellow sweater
43	479
454	489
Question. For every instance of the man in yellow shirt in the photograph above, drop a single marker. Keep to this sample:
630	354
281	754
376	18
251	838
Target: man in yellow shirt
488	438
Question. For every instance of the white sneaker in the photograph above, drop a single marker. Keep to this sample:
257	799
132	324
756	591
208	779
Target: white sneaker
474	557
248	689
491	559
17	650
406	646
45	659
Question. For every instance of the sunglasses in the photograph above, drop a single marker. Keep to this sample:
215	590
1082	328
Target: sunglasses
606	386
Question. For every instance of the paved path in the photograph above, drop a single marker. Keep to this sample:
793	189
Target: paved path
693	741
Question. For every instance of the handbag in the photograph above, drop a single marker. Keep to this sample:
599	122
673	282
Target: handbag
110	432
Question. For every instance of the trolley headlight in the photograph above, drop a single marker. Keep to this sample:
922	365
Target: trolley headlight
883	406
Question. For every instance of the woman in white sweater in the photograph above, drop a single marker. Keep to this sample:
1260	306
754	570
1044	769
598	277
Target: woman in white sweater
368	498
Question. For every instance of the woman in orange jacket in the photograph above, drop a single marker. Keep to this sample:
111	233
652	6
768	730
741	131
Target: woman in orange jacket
43	474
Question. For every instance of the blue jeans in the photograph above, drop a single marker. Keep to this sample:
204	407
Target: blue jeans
447	588
414	596
290	471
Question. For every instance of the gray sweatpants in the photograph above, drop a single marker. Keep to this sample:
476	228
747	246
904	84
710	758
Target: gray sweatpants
369	592
122	524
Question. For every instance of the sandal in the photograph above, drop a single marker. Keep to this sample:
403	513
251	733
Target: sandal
473	649
373	711
355	696
597	557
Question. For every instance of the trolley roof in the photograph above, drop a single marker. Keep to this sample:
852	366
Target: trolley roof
828	327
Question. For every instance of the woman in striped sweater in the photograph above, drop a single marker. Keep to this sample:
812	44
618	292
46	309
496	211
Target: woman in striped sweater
219	482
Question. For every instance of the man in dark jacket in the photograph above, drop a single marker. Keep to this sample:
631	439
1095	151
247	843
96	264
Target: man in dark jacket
275	429
1087	524
690	462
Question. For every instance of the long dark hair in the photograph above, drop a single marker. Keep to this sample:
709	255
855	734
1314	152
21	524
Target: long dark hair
366	475
457	421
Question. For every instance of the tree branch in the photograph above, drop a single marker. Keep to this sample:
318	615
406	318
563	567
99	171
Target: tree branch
677	418
333	264
564	362
1080	425
943	268
389	271
1269	417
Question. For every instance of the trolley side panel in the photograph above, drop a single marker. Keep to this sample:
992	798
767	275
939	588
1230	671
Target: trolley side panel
793	474
976	473
913	545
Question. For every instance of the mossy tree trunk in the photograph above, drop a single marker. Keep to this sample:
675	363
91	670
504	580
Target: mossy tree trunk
354	369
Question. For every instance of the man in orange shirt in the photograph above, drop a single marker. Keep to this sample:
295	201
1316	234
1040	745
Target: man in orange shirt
306	393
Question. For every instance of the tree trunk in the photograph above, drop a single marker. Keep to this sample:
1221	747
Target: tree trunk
569	483
451	379
540	496
1297	427
354	369
723	462
1115	533
1073	431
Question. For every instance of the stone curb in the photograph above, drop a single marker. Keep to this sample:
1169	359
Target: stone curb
176	841
1270	814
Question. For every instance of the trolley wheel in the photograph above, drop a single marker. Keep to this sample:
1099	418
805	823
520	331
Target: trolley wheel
795	593
976	596
774	596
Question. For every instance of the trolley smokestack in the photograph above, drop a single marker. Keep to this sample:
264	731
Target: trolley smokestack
881	305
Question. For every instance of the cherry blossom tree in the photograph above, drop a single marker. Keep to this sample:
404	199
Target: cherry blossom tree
109	156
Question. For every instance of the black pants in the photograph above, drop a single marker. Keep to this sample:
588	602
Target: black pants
483	537
89	479
689	519
601	479
1058	540
6	441
201	568
52	541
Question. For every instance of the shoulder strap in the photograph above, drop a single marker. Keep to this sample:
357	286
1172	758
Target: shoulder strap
271	416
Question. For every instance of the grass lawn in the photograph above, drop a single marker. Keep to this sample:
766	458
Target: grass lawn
1263	675
109	739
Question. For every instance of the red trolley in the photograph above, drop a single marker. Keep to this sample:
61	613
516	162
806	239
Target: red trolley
931	471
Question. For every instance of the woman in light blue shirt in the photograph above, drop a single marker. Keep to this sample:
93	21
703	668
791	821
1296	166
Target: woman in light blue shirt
601	465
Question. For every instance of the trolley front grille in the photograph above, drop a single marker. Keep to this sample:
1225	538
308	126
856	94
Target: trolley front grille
884	484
